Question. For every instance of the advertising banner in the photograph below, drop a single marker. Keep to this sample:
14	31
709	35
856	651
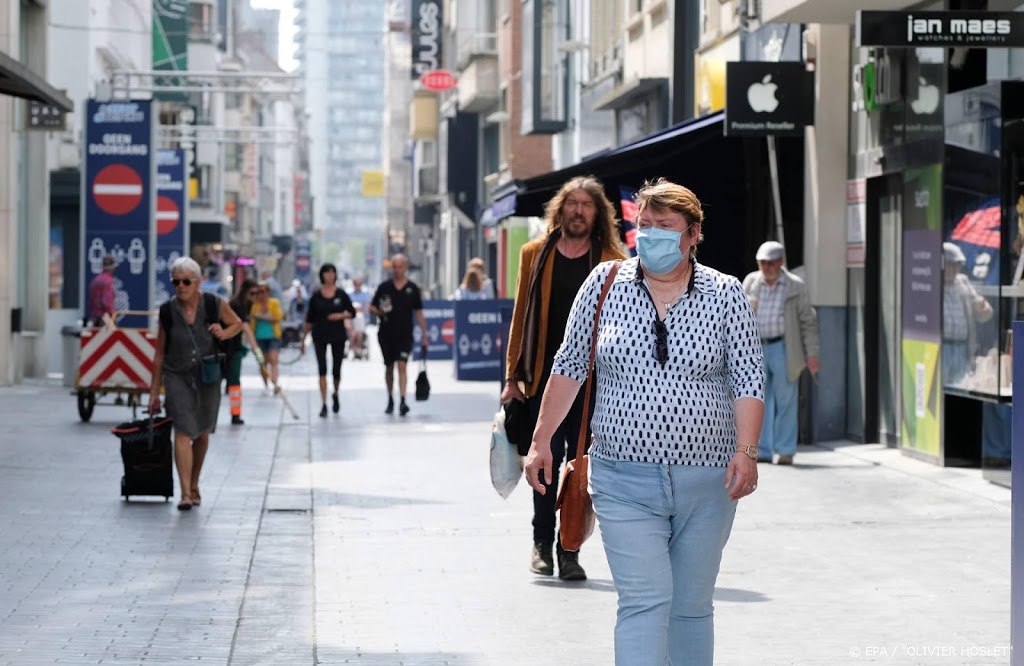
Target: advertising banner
171	219
922	310
118	181
170	45
479	352
440	331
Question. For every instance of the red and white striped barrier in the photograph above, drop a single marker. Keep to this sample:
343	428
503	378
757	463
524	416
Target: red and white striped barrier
121	358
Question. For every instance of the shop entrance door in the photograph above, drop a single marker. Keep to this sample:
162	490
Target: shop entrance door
882	308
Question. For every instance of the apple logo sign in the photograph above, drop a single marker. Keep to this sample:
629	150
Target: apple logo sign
927	98
761	96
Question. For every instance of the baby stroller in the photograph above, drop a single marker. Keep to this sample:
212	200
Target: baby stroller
357	336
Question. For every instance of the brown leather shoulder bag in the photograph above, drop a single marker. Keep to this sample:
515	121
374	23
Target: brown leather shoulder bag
575	510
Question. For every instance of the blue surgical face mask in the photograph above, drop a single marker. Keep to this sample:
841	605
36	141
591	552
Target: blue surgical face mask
658	249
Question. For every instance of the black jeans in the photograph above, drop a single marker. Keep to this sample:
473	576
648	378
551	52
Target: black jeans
564	440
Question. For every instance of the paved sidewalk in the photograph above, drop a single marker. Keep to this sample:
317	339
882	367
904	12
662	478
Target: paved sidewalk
377	540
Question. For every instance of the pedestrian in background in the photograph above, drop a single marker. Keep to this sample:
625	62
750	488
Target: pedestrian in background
477	264
265	318
267	277
788	328
472	288
581	232
396	302
329	309
212	283
102	295
191	324
962	309
241	304
677	412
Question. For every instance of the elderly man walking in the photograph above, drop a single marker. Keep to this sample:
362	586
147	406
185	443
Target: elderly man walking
789	337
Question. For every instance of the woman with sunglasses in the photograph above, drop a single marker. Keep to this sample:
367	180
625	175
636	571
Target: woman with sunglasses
188	338
676	420
265	319
329	310
242	305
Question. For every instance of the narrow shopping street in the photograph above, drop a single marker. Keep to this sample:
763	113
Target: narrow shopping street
368	539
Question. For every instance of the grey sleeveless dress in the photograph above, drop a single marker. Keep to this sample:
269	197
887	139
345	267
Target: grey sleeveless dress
191	404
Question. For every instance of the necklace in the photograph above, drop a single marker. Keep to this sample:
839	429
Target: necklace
676	292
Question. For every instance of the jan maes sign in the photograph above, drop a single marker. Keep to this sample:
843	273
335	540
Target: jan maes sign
954	28
768	98
427	20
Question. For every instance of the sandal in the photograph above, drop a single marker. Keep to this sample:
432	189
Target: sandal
185	505
196	498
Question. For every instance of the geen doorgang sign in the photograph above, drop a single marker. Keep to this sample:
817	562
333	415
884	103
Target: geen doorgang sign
977	29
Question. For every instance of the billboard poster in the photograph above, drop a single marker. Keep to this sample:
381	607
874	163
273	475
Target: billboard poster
921	428
118	207
171	219
479	352
440	317
170	45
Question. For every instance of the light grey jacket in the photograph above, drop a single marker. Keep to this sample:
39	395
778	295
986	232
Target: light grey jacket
800	320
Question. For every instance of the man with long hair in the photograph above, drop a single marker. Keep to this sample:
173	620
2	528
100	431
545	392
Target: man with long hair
582	231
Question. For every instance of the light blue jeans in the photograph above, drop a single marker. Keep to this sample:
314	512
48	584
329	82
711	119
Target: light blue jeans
664	528
778	431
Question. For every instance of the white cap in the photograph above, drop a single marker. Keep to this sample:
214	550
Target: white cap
952	253
770	251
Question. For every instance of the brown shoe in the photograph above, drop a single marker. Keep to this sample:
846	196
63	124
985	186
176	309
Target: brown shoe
542	561
785	460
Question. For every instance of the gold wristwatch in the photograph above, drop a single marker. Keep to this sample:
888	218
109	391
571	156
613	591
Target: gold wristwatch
750	450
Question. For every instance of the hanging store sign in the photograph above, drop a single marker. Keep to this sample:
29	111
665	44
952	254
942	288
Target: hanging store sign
438	80
427	19
768	98
979	29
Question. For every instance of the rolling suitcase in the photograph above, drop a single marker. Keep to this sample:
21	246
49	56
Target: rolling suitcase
146	453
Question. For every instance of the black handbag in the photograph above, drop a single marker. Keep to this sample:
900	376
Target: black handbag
422	383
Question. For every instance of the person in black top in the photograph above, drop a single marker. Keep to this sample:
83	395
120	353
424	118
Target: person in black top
328	309
395	303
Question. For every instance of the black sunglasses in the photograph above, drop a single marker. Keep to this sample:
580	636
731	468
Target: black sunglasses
254	292
660	342
184	281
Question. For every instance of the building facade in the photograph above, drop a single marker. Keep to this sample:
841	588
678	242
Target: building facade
341	63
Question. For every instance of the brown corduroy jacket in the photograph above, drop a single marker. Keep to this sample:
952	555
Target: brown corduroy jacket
528	255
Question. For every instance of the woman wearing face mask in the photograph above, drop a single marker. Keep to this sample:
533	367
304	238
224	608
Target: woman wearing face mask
676	421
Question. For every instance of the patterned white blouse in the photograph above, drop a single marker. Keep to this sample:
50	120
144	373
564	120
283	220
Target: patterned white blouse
679	413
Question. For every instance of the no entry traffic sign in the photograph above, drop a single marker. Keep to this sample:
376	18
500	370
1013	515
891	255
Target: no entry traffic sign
448	331
167	215
117	189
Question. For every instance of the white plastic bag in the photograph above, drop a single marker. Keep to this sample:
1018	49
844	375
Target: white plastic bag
506	463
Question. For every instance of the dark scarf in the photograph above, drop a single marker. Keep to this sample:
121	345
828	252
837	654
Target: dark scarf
531	328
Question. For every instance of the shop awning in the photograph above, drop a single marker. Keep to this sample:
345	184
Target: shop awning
677	153
17	80
722	171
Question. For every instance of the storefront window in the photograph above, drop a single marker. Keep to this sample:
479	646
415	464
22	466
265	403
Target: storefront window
982	259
